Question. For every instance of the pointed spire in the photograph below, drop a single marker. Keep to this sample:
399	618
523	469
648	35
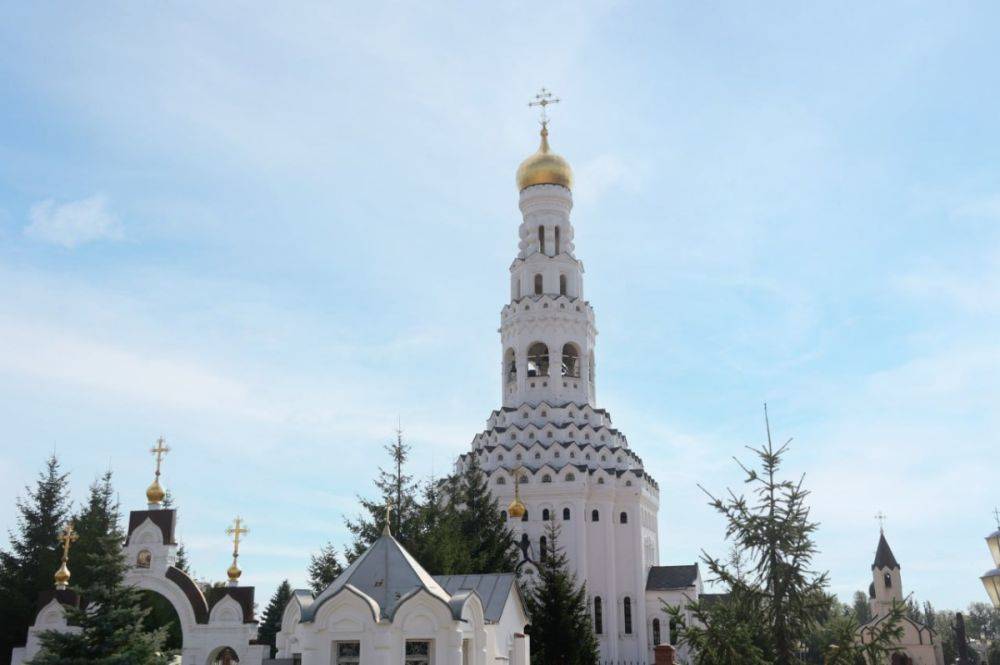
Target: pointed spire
386	531
883	555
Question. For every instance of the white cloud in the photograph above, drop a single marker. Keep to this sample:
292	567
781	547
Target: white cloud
73	223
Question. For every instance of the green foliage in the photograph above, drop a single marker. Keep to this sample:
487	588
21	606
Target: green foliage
112	630
862	610
33	556
844	648
482	529
271	621
993	653
725	631
160	613
561	630
324	568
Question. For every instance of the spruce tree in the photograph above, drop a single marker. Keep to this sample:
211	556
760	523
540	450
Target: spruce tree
34	554
773	529
483	530
324	568
394	487
561	630
271	621
439	547
112	631
98	518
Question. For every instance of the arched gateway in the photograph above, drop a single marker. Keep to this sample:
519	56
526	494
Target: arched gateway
221	631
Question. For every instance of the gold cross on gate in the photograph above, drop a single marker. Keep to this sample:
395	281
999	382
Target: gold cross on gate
542	100
880	516
236	530
160	449
67	538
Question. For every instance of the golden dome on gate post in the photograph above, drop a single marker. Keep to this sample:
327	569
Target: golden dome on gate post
544	167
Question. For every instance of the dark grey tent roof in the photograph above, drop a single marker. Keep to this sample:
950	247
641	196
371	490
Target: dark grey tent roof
883	555
492	589
662	578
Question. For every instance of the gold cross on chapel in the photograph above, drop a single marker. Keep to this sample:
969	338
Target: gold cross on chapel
67	537
880	516
160	449
542	100
236	530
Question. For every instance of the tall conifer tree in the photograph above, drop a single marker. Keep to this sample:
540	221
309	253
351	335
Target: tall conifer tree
34	555
482	528
394	487
271	621
99	518
561	629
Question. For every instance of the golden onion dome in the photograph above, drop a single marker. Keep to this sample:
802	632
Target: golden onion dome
516	509
155	493
234	572
62	576
544	167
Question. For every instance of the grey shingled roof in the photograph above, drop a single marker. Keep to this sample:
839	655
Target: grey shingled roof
883	555
662	578
492	589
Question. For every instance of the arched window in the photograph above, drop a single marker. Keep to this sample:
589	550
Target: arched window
524	518
525	543
598	616
623	518
503	515
570	361
656	632
546	478
501	480
565	514
673	631
538	360
538	285
510	365
562	285
543	547
627	612
545	514
541	239
571	476
887	579
600	481
595	516
557	241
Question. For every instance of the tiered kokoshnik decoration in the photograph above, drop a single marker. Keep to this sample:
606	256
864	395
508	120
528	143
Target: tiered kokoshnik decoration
568	462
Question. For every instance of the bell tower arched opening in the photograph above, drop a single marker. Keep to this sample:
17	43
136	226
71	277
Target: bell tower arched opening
538	360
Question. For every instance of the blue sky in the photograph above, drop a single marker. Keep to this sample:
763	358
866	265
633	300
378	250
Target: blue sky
266	231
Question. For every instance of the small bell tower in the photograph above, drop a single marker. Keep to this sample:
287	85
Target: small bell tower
887	584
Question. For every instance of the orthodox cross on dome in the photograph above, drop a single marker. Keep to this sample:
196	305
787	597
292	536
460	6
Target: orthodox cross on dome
542	100
881	517
67	537
160	449
236	530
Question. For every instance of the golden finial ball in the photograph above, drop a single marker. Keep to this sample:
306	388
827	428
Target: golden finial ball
234	572
155	493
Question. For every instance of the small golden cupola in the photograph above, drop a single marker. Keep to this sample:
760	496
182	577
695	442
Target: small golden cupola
544	167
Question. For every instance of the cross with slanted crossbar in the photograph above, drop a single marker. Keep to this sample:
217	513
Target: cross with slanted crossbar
880	516
237	530
67	538
160	449
543	99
